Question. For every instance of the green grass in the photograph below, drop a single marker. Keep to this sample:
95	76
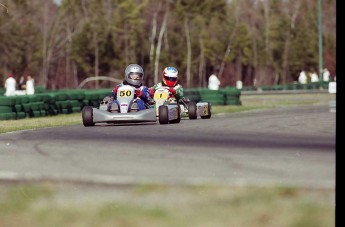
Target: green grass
40	122
213	206
249	102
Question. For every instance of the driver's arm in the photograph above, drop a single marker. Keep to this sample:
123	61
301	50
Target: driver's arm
179	91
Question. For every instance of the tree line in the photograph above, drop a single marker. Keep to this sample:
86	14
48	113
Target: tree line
260	42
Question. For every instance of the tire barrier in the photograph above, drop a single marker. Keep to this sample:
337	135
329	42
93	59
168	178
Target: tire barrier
226	96
321	85
49	103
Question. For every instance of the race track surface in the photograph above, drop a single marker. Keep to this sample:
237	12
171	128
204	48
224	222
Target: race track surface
285	146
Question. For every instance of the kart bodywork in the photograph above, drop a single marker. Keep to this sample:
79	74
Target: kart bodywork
166	111
187	108
123	110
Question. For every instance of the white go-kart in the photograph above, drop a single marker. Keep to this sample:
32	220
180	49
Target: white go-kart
186	108
166	111
123	110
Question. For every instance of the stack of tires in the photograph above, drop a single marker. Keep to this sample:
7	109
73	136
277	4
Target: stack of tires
193	94
215	97
65	101
225	96
231	96
278	87
49	107
7	105
19	106
94	97
249	88
35	106
76	98
60	103
91	99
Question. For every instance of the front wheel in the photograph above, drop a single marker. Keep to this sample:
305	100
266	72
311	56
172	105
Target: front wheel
192	110
163	115
87	115
208	116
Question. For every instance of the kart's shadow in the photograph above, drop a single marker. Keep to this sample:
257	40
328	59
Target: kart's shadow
124	124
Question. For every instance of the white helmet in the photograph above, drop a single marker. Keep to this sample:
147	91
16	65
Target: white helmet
170	76
134	75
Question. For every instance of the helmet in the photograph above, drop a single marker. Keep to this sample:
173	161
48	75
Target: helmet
170	76
134	74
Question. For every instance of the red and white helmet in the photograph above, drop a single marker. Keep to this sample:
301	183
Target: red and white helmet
170	76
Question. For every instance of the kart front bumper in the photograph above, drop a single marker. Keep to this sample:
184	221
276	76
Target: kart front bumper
148	115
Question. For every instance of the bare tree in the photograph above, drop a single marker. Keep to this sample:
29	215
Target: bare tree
228	49
201	63
159	44
95	40
45	63
4	7
189	51
292	14
153	36
267	24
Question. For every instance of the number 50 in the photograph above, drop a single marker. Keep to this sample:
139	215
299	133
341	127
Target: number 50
125	93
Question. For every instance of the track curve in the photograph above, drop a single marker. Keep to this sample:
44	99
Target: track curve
283	146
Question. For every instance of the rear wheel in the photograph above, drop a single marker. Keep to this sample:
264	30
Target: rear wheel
192	110
178	119
208	116
87	115
163	115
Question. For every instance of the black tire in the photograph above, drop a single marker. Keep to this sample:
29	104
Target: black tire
178	119
130	106
209	112
6	109
163	115
192	111
87	115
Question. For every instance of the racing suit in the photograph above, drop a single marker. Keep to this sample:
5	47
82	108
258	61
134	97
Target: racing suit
176	91
142	93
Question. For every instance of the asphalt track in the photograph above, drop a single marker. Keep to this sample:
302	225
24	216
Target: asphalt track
286	146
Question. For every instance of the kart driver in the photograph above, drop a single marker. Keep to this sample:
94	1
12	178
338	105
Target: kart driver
134	76
169	79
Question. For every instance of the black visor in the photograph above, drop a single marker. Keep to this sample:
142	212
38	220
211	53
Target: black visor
170	78
134	75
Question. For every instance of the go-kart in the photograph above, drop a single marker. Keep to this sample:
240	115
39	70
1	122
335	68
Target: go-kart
166	111
187	108
122	110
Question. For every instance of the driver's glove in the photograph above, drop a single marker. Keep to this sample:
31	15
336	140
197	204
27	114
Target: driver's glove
152	91
138	93
172	91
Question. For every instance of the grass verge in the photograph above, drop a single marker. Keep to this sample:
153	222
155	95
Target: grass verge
40	122
213	206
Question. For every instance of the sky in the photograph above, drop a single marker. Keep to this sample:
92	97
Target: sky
57	2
